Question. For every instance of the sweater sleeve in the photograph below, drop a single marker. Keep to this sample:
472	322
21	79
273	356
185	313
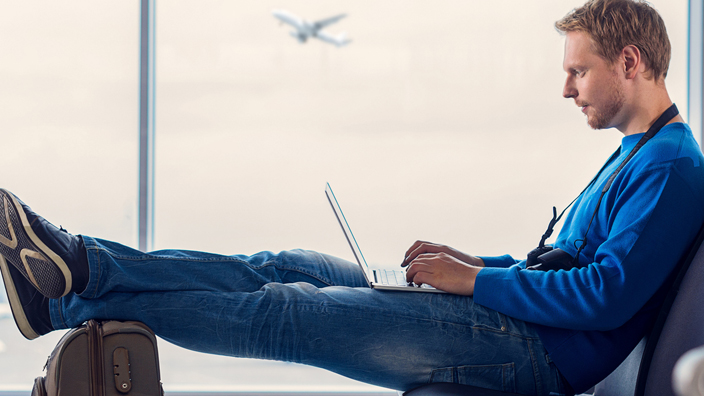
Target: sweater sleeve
504	261
651	223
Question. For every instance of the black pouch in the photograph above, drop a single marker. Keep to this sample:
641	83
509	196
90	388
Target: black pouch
535	253
547	258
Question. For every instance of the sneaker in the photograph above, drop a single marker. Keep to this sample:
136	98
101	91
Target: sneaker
51	259
30	309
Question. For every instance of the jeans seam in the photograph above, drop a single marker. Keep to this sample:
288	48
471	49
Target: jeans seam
521	335
465	325
98	276
218	259
437	321
61	315
536	372
511	333
151	257
299	270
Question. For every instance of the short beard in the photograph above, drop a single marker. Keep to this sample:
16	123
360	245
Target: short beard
602	118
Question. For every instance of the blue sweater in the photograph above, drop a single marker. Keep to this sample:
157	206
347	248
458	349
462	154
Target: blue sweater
590	318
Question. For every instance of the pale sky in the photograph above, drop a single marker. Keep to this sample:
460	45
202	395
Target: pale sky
441	121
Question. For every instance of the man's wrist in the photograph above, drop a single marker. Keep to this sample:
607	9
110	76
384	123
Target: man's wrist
504	261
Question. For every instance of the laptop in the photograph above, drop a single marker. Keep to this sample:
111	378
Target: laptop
381	279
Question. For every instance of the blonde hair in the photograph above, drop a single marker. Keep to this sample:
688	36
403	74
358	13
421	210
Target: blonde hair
615	24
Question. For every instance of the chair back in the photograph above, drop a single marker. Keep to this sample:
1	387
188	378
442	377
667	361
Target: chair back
622	381
679	327
683	329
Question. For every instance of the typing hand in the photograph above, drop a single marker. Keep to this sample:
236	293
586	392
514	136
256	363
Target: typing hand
442	267
443	272
422	247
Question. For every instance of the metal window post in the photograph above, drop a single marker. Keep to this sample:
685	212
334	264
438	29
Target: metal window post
695	69
146	126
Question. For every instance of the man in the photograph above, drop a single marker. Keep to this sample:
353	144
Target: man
501	326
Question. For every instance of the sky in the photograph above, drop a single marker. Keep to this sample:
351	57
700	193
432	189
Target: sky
441	121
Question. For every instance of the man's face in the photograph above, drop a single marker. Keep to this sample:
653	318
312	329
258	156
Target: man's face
592	83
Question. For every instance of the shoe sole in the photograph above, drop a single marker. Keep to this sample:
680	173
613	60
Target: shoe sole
15	304
22	248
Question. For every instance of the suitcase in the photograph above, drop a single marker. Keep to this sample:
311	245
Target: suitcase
103	359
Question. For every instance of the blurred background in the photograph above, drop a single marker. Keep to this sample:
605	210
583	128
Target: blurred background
440	121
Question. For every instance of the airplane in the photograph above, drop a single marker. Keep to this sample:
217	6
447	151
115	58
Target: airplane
305	29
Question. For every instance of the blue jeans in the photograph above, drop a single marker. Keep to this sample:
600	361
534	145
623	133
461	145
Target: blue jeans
306	307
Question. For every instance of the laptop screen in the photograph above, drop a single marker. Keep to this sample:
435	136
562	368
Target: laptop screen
348	232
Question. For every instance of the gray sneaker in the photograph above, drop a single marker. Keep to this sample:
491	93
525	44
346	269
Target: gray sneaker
36	248
30	309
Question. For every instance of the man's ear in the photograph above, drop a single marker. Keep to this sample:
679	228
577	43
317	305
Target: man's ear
632	61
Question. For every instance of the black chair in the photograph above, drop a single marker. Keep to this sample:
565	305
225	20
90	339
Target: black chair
647	371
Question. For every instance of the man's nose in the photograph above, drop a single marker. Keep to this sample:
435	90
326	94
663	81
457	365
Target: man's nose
569	90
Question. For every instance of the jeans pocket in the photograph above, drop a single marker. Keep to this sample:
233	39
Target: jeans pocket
563	387
501	377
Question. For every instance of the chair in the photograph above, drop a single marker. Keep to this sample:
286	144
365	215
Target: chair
688	378
647	371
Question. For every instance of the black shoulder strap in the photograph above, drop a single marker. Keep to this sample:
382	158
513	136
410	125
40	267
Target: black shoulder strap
664	118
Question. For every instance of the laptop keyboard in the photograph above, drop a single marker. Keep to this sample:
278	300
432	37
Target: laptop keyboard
394	278
391	277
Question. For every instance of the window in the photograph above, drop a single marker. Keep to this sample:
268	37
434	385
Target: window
440	121
69	97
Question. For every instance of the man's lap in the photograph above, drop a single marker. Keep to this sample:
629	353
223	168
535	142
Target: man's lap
394	339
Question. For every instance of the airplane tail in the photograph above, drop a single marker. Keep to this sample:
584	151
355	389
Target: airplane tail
339	40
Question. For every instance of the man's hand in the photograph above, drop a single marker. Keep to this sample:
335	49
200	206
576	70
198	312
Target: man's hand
421	247
442	267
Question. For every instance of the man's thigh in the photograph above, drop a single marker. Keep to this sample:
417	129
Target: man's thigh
394	339
404	339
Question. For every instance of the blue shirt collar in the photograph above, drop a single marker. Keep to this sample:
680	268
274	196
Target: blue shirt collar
628	142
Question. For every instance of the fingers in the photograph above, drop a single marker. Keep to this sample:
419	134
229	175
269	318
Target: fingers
443	272
423	247
422	278
418	248
418	266
413	247
427	264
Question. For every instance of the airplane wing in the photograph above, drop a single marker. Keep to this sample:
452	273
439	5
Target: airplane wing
287	17
329	21
339	40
